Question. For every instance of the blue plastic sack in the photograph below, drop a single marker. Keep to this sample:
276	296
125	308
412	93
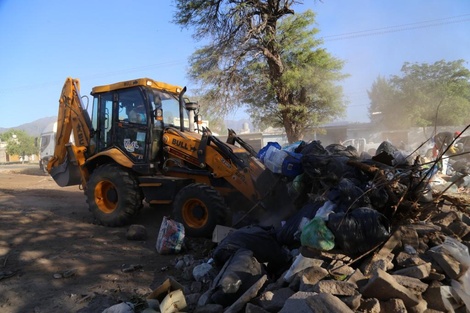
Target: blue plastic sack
292	165
262	153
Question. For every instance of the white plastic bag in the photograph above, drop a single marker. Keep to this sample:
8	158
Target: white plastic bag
459	252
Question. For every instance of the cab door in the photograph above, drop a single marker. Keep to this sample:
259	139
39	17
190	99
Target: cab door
132	123
121	121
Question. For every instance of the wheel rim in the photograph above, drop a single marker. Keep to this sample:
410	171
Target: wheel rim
195	213
106	197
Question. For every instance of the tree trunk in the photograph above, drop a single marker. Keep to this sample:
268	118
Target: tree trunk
276	70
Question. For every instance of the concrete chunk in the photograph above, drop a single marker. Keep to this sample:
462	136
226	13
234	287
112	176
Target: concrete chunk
370	305
312	276
409	236
353	302
326	303
274	300
417	271
334	287
297	303
413	284
393	306
384	287
433	297
449	265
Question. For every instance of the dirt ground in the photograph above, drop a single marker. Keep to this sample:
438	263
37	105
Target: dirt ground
54	259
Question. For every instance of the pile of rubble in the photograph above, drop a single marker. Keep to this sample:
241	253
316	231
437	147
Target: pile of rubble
369	234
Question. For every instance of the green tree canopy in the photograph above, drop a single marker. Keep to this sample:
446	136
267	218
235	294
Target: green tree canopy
263	55
19	142
424	95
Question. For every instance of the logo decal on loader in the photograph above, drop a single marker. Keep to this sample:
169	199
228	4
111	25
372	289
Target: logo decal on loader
181	144
130	146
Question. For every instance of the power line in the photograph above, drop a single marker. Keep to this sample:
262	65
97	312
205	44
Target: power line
399	28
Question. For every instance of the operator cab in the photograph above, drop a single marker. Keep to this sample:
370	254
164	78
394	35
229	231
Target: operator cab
131	116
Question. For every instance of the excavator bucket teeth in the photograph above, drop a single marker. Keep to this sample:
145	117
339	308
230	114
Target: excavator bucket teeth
66	174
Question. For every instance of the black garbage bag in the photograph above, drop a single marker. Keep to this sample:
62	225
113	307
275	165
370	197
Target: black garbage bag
314	147
261	240
239	273
337	149
347	195
328	168
289	233
388	154
387	147
359	230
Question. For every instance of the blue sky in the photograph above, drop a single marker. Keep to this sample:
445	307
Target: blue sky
101	42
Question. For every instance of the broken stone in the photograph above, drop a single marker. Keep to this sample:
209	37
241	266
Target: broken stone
370	305
413	284
326	303
196	286
353	302
445	218
465	218
136	232
383	257
274	300
435	276
192	299
433	297
426	228
340	269
449	265
356	277
203	272
251	293
409	236
393	306
311	276
383	263
418	271
404	259
297	303
459	229
334	287
384	287
409	249
421	307
300	263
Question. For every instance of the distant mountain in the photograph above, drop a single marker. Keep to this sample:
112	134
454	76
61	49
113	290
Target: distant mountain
33	128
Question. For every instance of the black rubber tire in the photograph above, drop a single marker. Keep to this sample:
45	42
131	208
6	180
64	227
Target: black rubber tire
113	195
200	208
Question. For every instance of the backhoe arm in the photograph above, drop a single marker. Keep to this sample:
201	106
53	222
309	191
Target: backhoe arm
65	165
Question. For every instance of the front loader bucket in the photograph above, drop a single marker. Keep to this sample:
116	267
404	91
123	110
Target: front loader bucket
66	174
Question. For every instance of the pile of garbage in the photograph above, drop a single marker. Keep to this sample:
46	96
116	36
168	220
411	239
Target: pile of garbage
369	234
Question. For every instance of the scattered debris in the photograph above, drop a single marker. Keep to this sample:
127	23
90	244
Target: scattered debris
385	233
6	274
65	274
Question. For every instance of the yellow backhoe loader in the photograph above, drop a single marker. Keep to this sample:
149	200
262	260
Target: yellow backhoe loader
135	147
